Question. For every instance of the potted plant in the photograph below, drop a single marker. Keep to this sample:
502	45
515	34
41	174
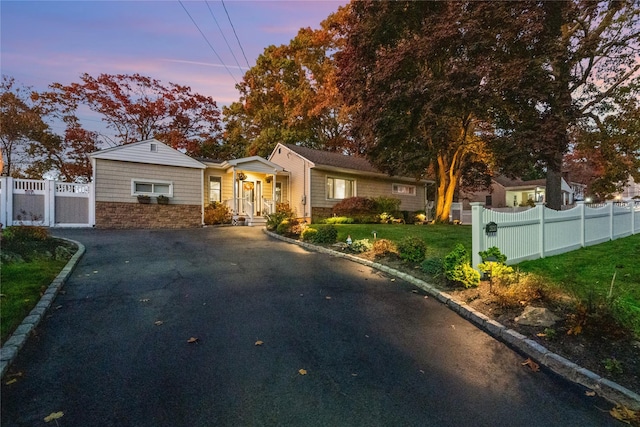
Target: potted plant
242	220
144	199
162	200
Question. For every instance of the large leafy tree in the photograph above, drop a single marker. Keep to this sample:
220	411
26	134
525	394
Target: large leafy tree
20	124
565	69
137	107
605	154
290	96
414	80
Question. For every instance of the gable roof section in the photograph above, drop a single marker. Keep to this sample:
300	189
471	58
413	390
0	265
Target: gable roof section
336	160
141	152
518	184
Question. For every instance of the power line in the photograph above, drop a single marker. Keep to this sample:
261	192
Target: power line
223	36
234	32
207	40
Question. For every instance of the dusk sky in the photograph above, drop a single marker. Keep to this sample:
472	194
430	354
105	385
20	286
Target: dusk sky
43	42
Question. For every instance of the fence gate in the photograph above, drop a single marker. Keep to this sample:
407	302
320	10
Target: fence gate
46	203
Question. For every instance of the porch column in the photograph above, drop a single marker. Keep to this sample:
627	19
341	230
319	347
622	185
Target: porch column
235	192
273	190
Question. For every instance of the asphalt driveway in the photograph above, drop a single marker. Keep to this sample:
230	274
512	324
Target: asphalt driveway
342	344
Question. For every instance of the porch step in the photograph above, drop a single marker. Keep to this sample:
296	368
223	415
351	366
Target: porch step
258	221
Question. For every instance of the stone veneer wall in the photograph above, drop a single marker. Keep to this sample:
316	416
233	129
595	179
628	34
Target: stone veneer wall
137	215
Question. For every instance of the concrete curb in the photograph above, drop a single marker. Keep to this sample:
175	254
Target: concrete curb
17	340
609	390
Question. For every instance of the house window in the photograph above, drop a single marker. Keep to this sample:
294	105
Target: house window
338	188
278	192
488	201
215	189
403	189
151	187
153	148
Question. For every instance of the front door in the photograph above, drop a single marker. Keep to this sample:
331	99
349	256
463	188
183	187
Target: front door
248	196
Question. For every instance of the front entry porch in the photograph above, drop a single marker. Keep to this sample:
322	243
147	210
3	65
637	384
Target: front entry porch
250	187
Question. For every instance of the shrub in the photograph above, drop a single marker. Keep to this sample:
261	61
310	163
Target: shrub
283	213
432	266
457	268
493	251
362	245
412	249
217	213
499	272
387	204
308	235
339	220
24	233
355	206
284	227
383	247
524	291
326	234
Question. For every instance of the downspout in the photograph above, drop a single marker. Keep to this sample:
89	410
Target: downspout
304	181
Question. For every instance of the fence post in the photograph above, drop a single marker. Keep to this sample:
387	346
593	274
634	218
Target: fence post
540	206
5	189
610	206
49	203
477	236
583	223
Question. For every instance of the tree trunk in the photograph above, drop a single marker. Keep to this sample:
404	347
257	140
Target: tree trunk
554	185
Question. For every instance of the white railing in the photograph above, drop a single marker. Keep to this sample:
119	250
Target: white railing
540	232
269	206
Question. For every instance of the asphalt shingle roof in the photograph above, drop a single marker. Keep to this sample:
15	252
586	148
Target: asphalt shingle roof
326	158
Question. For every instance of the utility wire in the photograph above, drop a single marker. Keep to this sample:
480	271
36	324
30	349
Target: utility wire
234	32
223	36
207	40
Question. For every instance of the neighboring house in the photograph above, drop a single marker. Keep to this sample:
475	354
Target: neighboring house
320	179
506	192
630	191
310	181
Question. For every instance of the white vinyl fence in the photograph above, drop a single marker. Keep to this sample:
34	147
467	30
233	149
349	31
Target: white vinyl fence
46	203
540	232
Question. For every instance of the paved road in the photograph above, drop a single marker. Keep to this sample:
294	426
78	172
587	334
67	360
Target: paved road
376	353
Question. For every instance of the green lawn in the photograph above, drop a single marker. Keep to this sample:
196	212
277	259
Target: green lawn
440	238
22	286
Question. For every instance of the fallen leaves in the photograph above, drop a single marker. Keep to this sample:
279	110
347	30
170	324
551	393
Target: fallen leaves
531	364
158	322
590	393
53	416
193	340
259	343
144	300
11	381
302	372
624	414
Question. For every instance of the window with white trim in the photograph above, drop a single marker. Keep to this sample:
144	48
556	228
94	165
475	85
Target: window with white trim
215	189
151	187
403	189
338	188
